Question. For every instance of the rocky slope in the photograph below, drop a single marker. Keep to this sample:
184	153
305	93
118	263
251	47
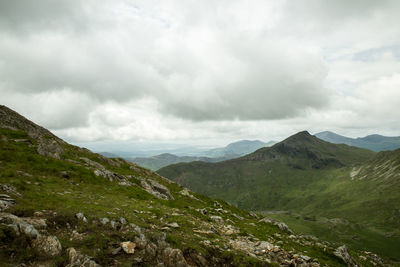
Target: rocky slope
62	205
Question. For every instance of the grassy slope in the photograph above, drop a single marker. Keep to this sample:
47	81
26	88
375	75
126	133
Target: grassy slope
308	176
43	188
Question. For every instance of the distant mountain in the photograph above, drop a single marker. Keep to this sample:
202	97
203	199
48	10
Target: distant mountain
373	142
231	151
109	155
162	160
239	148
351	186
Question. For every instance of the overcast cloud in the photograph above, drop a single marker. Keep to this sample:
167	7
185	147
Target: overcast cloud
209	71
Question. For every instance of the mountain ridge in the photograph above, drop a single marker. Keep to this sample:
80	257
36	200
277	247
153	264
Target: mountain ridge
374	142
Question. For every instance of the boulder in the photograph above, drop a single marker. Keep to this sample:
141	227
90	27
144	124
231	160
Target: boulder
172	257
47	245
343	253
50	148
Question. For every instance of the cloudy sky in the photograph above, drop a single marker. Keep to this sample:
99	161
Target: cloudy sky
201	72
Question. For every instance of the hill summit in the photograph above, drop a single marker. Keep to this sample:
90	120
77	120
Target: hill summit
303	150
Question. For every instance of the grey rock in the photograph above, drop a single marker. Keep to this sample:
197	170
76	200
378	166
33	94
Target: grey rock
104	221
77	259
48	245
343	253
50	148
123	221
217	218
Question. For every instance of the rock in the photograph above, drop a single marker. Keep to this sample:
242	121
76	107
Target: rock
284	227
264	245
156	189
217	218
92	163
81	216
173	257
65	174
6	202
343	253
116	251
115	225
173	225
10	189
128	247
79	260
47	245
186	192
161	189
123	221
50	148
37	223
104	221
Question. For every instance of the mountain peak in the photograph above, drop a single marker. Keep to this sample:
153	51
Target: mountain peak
300	138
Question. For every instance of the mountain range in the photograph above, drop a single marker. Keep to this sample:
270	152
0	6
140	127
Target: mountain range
336	187
230	151
62	205
374	142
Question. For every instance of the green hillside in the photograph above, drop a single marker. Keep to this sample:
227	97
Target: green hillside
156	162
63	205
311	177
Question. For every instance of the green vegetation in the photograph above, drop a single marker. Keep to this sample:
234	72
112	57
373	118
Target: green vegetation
59	187
305	175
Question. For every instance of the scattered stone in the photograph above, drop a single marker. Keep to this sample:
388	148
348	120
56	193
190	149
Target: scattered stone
128	247
10	189
81	216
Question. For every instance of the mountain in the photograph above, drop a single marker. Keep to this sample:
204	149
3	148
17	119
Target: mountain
231	151
310	178
238	148
61	205
108	155
373	142
162	160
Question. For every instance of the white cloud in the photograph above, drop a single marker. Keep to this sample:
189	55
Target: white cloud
201	70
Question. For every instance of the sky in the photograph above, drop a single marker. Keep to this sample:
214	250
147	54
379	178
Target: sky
201	72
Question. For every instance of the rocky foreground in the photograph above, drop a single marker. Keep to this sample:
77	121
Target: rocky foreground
61	205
